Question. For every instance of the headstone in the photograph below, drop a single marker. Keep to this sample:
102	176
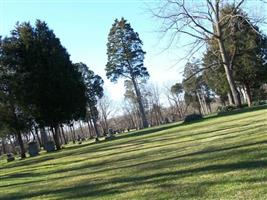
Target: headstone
10	157
110	131
109	136
50	146
33	148
79	139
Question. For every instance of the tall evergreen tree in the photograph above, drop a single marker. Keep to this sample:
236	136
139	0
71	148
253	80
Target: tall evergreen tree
13	117
94	91
125	59
47	85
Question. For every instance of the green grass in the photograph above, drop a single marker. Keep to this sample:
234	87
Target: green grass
217	158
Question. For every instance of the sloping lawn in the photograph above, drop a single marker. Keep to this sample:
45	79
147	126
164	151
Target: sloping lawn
216	158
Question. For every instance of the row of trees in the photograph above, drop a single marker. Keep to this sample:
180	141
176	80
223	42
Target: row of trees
39	85
236	49
233	69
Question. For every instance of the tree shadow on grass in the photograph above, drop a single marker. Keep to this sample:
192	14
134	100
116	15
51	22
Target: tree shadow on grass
148	130
146	141
98	146
93	191
158	148
114	186
179	124
158	162
77	192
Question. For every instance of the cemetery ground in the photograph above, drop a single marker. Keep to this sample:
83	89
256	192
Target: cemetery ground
220	157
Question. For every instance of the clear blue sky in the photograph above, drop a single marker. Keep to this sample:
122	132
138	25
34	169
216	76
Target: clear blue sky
83	26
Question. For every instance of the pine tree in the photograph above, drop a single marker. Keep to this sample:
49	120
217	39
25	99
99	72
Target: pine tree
125	59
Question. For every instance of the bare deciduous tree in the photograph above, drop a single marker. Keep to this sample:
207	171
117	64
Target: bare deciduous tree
177	105
202	21
154	104
105	108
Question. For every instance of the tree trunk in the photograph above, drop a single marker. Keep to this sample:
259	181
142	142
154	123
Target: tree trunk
141	106
201	110
248	95
230	98
95	127
89	130
205	103
38	138
131	121
63	134
34	138
178	108
44	137
3	145
242	95
55	132
27	137
81	128
92	127
229	76
226	64
13	145
209	106
72	134
106	124
60	136
21	144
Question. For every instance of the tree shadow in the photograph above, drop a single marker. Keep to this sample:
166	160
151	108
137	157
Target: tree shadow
97	189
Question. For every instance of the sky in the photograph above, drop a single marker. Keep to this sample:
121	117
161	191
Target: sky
83	27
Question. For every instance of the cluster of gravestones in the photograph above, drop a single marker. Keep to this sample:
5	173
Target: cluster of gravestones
34	149
49	146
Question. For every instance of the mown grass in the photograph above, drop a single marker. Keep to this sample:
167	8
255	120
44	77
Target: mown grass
217	158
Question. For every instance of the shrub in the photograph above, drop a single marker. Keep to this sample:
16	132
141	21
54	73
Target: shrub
192	117
226	108
244	105
259	103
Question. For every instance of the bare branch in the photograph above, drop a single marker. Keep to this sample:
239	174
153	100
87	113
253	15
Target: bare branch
200	70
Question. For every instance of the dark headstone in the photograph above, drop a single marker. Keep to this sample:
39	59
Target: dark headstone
50	146
10	157
79	139
33	149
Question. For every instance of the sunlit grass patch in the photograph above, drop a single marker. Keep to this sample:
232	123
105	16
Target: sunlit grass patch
216	158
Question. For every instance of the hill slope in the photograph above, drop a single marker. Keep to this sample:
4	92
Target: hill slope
218	158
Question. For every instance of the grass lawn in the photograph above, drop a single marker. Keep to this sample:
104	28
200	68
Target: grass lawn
217	158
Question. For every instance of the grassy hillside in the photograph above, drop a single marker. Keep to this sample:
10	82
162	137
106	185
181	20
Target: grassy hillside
217	158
